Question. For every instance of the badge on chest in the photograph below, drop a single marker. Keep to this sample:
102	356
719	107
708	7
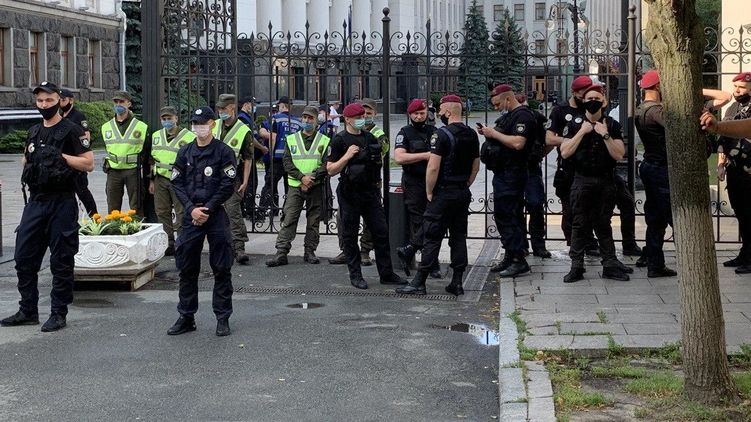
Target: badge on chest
208	171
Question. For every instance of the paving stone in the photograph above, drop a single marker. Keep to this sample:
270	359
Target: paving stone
646	341
648	309
548	330
541	319
628	299
512	385
534	365
633	317
513	412
570	307
633	290
638	329
562	299
541	410
576	289
508	353
738	297
548	342
591	327
508	299
739	307
583	343
538	384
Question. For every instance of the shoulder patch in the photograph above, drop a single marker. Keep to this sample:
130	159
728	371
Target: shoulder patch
230	171
175	173
433	139
548	124
565	131
520	127
399	140
84	141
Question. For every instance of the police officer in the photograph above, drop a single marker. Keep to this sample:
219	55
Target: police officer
594	147
356	154
306	172
512	140
247	115
73	114
55	151
233	132
452	167
412	152
204	178
164	146
653	171
124	138
282	124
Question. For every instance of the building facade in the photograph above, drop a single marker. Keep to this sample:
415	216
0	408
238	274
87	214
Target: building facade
73	43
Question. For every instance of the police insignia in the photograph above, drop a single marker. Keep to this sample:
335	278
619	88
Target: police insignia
31	148
569	117
84	124
137	134
520	127
548	124
108	134
230	172
180	144
320	149
293	149
399	140
175	173
578	120
208	171
565	131
233	142
85	142
433	139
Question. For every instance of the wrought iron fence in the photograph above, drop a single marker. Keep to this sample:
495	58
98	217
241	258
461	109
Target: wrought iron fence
203	55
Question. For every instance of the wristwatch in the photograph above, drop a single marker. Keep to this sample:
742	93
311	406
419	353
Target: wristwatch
606	136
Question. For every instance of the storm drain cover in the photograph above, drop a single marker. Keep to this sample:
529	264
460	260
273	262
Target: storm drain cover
93	303
305	305
481	333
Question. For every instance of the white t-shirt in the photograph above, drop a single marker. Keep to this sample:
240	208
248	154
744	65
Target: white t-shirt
334	116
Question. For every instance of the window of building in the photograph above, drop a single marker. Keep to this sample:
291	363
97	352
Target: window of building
298	86
497	12
481	10
540	47
68	62
539	11
37	68
95	63
519	12
6	57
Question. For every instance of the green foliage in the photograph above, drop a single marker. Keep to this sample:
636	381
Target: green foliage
743	383
507	53
618	372
670	352
473	69
614	349
567	392
656	385
13	142
97	113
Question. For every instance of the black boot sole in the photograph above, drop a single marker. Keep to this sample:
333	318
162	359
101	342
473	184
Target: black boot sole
181	331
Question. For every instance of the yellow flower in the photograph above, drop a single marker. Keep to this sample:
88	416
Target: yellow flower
131	212
96	216
127	219
98	220
115	213
109	217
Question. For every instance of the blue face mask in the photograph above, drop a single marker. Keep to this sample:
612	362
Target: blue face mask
120	109
308	126
223	116
359	124
168	124
369	121
254	110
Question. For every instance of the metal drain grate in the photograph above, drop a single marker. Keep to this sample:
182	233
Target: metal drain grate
358	293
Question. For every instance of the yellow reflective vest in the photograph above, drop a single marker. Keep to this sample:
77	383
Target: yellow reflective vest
123	149
164	152
306	160
234	137
378	133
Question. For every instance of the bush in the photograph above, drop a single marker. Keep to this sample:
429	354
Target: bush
13	142
97	113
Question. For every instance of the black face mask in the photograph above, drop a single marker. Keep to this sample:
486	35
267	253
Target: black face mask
444	120
593	106
65	108
579	102
48	113
743	99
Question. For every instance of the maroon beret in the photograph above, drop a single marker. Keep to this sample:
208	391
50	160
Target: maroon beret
582	82
520	98
650	79
416	105
353	110
595	87
451	99
745	77
500	89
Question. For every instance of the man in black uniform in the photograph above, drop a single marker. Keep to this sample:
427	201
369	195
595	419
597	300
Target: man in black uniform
356	154
247	115
204	178
56	150
82	180
654	173
412	152
507	155
594	148
452	167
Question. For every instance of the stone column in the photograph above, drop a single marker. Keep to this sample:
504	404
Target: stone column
269	10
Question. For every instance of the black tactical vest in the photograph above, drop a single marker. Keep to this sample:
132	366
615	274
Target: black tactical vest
46	170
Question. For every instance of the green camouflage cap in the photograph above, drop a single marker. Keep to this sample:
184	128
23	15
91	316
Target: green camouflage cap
122	95
225	100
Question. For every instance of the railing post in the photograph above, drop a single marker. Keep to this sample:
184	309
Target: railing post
631	98
151	57
385	79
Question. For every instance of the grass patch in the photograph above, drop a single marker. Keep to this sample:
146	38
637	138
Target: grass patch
618	372
614	349
525	353
670	352
602	317
743	382
656	385
744	358
521	326
568	394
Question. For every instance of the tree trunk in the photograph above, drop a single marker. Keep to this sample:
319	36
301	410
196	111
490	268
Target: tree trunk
675	38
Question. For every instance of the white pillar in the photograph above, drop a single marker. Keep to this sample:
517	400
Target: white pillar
376	23
294	12
318	17
246	16
269	10
338	14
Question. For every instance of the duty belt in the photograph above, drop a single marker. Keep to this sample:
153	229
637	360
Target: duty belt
123	159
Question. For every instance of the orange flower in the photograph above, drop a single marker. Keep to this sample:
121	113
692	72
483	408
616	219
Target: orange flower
131	212
109	217
127	219
98	220
115	213
96	216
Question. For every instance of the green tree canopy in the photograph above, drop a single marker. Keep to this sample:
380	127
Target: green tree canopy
507	53
474	68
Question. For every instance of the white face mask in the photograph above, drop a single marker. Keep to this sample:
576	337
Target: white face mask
202	131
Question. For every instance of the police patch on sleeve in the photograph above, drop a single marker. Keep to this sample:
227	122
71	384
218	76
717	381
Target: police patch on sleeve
175	173
548	124
399	140
84	124
84	141
565	131
230	171
433	139
520	127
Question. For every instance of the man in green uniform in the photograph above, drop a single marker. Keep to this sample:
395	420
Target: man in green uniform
305	167
233	132
164	146
124	138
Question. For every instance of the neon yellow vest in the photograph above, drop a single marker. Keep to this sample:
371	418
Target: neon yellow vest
123	150
378	133
164	152
234	138
307	161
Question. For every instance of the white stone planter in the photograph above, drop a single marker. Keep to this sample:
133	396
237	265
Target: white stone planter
121	259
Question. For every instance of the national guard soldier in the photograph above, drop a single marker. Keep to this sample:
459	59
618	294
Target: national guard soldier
653	171
594	147
73	114
124	138
306	172
507	152
55	151
164	146
356	154
204	178
247	115
452	168
412	152
233	132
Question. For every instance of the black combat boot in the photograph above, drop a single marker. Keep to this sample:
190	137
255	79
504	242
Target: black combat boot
505	263
576	274
182	326
518	266
222	327
20	318
416	286
455	287
406	254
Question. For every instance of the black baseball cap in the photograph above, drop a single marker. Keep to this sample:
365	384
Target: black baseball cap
202	115
47	87
283	100
66	93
